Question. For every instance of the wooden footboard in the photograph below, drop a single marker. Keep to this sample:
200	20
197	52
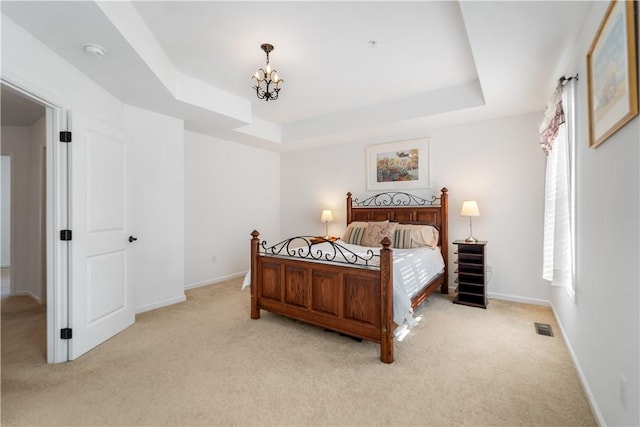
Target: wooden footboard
353	300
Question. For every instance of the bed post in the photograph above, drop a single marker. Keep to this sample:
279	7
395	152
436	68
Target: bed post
255	311
444	233
386	302
349	205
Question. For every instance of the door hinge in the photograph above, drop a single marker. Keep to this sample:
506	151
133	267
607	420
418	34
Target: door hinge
65	136
66	333
65	234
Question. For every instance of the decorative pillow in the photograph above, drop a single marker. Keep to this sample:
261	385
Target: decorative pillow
376	231
350	227
421	235
424	235
354	235
402	238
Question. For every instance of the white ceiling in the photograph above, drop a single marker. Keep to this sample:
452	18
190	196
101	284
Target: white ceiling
432	64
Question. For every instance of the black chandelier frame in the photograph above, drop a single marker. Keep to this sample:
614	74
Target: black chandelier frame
270	78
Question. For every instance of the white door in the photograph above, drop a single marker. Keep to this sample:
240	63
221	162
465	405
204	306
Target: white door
100	295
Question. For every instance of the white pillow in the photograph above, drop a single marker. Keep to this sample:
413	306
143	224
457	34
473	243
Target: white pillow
422	235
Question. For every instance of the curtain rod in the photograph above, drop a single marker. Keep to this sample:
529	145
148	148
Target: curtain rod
562	80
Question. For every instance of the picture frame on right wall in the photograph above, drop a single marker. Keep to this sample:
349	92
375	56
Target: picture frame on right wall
612	77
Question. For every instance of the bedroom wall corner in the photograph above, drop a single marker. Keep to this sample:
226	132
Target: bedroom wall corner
156	200
602	325
496	162
230	190
29	64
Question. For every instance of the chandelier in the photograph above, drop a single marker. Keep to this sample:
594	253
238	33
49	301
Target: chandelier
267	80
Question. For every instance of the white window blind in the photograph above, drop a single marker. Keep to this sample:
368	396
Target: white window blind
558	240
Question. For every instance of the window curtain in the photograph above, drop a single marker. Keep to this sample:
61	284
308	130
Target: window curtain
553	119
556	134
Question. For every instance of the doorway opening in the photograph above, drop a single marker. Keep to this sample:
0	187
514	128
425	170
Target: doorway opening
24	216
33	172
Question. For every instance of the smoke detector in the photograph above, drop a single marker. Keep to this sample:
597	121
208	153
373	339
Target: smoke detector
94	50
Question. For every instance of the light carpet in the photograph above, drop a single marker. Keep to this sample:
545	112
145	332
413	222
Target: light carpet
205	362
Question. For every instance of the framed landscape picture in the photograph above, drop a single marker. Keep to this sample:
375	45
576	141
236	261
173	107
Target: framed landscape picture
401	165
612	73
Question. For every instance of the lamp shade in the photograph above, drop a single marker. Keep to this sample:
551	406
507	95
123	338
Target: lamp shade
469	208
326	216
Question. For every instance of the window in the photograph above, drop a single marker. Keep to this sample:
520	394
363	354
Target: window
559	214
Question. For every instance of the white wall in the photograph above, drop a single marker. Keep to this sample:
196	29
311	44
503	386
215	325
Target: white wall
156	200
498	163
603	325
15	140
25	144
37	207
230	190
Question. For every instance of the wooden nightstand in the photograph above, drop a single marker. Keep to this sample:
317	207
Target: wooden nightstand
471	271
322	239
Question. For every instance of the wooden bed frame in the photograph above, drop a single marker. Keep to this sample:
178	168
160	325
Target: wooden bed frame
351	299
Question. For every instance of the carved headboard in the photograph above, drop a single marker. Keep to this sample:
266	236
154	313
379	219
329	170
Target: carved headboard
405	208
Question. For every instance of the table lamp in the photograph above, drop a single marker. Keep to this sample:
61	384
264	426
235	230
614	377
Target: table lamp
326	217
470	208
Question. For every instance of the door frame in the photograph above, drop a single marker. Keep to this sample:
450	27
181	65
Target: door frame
57	218
11	155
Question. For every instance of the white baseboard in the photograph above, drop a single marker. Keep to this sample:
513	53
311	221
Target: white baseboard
515	298
583	380
214	281
30	295
183	297
160	304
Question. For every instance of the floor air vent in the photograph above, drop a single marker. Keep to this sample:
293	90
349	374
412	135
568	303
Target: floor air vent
543	329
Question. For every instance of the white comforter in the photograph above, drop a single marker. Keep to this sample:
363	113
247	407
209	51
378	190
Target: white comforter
412	269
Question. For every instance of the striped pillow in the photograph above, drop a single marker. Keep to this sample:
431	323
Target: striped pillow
350	227
354	235
402	239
